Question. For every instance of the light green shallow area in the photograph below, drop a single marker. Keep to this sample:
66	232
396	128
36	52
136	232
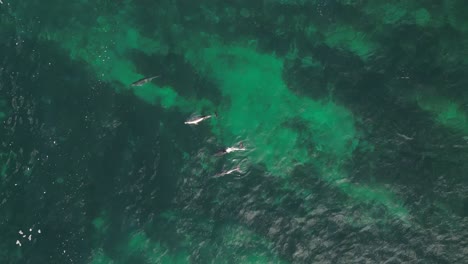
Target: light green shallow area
260	106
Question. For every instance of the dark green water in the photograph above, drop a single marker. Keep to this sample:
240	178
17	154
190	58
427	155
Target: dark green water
354	115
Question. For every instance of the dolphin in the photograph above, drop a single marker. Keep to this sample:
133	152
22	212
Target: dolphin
237	169
231	149
144	80
198	120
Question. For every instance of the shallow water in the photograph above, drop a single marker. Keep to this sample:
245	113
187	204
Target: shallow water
354	116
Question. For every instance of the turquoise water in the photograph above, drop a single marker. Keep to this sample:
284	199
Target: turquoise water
353	114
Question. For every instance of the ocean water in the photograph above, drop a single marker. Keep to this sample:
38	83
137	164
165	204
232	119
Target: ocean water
354	116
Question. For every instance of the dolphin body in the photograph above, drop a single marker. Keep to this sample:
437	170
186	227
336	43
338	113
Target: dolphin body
231	149
198	120
144	81
228	172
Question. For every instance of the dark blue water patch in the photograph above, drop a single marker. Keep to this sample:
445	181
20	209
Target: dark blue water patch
402	136
89	149
425	57
54	16
262	196
409	55
321	72
36	168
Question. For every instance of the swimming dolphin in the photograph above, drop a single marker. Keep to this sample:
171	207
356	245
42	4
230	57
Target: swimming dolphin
237	169
198	120
231	149
144	80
